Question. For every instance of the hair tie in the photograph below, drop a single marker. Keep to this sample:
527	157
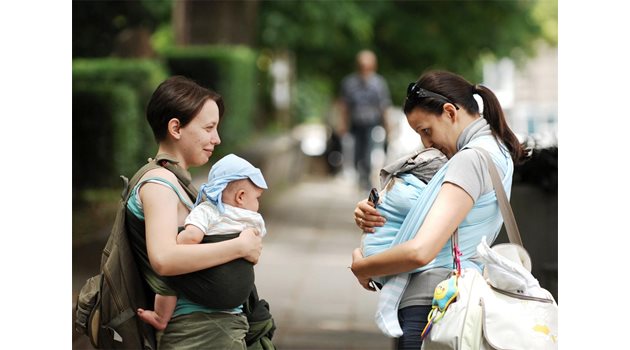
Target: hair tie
474	89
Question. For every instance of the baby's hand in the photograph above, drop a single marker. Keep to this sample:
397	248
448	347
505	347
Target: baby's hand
251	241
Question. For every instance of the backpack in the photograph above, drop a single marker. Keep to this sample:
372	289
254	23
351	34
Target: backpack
107	303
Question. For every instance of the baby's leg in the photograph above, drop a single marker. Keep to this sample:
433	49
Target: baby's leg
164	307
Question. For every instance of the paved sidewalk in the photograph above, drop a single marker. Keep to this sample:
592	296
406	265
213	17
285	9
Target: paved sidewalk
303	271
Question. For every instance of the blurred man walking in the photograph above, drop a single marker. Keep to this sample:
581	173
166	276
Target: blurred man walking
365	98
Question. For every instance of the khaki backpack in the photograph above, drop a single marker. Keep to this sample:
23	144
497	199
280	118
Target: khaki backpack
107	303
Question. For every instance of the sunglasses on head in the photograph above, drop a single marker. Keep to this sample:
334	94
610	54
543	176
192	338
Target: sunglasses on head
416	92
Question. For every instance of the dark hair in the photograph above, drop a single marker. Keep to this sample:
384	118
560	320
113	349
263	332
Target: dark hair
457	90
178	97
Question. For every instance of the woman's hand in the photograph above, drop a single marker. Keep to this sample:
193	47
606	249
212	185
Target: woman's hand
366	217
364	281
251	242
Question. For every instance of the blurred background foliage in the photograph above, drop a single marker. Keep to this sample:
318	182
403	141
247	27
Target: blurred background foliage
407	36
123	49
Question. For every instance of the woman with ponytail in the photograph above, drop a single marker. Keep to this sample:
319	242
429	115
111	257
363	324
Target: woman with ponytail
441	108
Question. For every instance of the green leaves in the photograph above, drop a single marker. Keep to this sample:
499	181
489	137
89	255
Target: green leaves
408	37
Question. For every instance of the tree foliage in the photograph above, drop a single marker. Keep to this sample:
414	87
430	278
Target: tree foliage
323	36
408	36
97	23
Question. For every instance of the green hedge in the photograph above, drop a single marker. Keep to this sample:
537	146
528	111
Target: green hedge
232	72
105	140
110	134
142	75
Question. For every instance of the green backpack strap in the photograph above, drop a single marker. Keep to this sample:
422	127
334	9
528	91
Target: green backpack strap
168	162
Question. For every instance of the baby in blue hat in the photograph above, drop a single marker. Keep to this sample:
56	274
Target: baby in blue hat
233	190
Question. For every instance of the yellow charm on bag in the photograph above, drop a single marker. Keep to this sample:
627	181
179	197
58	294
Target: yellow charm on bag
444	294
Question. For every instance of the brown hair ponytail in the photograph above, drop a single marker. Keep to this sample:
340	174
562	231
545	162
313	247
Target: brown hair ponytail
493	113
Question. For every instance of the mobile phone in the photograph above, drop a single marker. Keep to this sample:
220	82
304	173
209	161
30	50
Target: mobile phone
375	285
373	197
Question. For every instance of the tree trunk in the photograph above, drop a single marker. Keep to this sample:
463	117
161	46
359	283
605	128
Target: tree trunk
215	22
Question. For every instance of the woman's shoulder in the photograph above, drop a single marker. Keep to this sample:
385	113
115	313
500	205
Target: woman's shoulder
472	156
160	173
498	153
160	176
467	157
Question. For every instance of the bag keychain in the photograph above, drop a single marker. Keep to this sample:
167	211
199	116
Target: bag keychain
445	292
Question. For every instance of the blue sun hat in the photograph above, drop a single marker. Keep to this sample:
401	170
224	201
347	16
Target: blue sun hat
227	169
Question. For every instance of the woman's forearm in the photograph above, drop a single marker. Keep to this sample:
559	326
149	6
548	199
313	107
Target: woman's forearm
185	258
401	258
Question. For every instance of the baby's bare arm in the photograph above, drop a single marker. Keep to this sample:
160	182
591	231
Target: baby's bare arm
190	235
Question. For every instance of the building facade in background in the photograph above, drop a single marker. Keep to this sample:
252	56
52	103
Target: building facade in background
528	94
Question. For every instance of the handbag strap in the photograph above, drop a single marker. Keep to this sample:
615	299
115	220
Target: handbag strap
504	205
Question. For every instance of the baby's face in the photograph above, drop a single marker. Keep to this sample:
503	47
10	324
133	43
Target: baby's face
250	197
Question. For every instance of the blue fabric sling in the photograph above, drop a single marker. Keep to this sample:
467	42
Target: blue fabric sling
483	220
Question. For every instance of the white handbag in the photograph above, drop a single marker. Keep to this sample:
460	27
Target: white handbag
505	308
